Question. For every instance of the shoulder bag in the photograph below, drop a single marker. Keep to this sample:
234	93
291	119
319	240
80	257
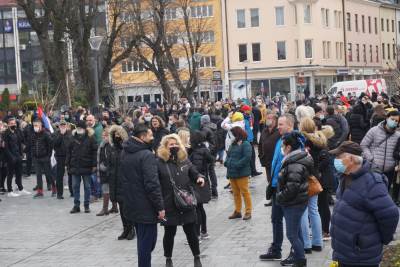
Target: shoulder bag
314	187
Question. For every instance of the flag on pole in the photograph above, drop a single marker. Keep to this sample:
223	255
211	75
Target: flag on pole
45	120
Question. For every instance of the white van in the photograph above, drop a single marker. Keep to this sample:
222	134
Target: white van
358	87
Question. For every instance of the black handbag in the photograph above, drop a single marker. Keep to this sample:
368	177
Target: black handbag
185	200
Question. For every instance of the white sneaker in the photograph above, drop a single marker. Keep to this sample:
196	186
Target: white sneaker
24	192
13	194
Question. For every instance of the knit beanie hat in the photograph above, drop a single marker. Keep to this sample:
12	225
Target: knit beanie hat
237	116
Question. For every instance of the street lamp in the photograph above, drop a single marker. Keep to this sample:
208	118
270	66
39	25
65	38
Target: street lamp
197	58
95	44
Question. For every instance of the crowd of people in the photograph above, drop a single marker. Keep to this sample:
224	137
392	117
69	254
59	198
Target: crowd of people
157	165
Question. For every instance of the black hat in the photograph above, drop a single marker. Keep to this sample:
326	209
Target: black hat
347	147
81	124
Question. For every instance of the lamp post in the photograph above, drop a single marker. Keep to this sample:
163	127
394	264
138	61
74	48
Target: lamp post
95	44
197	58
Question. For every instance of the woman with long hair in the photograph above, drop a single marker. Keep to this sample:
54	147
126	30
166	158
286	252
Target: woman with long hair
175	168
238	172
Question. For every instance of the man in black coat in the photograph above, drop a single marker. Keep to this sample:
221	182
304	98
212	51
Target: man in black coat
142	195
41	149
81	162
61	140
256	122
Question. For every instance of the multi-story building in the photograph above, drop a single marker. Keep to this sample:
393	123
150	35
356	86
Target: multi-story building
132	83
292	46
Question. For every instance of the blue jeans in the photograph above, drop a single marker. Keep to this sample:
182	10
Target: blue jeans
311	215
146	242
277	225
76	185
96	186
293	229
220	154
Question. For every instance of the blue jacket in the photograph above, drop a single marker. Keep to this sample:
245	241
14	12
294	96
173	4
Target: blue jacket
276	163
364	218
249	131
238	160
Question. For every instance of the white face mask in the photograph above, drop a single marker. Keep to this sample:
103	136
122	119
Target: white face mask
80	131
282	151
147	119
36	129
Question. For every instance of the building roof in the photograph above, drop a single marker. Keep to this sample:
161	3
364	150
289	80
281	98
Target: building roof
8	2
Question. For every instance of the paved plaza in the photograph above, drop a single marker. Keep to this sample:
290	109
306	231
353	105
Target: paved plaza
43	233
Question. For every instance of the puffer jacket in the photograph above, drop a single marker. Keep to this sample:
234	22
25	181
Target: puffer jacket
364	218
340	128
293	182
82	153
41	145
358	127
238	160
378	146
61	143
13	142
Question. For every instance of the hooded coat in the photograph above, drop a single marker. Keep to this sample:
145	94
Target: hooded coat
364	218
141	190
201	157
293	182
209	131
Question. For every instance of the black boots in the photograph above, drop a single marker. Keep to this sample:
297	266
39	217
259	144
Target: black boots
114	208
128	233
300	263
197	262
168	263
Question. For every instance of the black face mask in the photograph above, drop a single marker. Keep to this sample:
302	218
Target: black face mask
118	140
13	127
174	152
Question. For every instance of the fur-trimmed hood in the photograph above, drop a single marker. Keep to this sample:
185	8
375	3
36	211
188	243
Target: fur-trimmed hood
89	132
163	151
121	132
317	138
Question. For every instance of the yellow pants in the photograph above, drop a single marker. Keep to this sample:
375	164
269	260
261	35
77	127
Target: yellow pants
240	187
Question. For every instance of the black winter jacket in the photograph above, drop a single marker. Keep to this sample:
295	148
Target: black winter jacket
61	143
82	154
158	135
141	190
185	176
13	145
334	122
293	183
209	131
358	127
103	154
41	145
201	157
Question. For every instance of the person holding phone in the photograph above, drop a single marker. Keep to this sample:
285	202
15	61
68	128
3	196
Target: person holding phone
174	166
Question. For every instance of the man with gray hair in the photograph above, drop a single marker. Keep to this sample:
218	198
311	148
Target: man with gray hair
364	217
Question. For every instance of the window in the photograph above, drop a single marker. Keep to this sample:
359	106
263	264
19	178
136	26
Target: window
358	52
256	51
338	19
377	53
382	25
369	25
350	52
255	18
388	51
356	22
201	11
363	23
295	14
383	52
370	54
241	18
279	16
308	49
392	25
172	39
348	21
328	49
204	37
376	25
387	26
323	49
170	14
337	47
399	26
341	51
296	45
281	50
207	62
242	52
307	13
325	17
176	62
394	51
365	53
132	66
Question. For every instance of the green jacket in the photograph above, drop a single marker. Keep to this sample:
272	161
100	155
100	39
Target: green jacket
238	160
195	121
98	132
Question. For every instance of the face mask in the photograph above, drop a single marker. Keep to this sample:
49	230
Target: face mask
20	114
13	127
391	123
268	123
36	129
147	119
174	151
80	131
66	117
118	139
339	166
321	117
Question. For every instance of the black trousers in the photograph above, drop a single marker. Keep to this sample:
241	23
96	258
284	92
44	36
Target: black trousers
42	166
125	221
191	236
213	179
201	226
253	160
14	168
28	169
391	176
60	171
3	174
324	211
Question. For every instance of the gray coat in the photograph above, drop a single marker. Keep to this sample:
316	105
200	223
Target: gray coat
378	146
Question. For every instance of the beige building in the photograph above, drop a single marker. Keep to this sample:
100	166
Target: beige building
292	46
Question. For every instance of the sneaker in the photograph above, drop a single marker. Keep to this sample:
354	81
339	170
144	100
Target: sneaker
271	255
256	174
3	191
38	195
326	237
307	251
35	188
75	209
316	248
60	197
13	194
25	192
289	261
204	236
